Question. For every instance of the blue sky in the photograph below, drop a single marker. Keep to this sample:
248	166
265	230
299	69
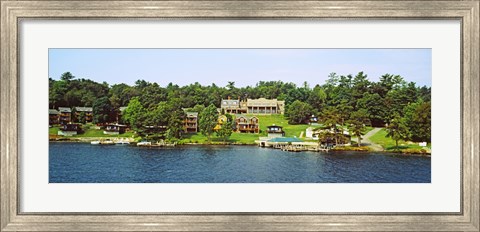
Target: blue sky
244	66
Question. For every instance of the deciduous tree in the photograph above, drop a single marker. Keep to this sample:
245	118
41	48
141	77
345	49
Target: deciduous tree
227	128
298	112
134	113
208	121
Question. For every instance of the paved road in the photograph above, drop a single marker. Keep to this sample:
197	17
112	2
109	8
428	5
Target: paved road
366	140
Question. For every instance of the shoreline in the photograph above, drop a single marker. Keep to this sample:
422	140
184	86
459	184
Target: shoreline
340	150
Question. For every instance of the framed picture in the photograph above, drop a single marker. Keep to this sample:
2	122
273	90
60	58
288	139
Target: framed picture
239	116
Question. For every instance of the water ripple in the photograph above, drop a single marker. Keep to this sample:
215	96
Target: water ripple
84	163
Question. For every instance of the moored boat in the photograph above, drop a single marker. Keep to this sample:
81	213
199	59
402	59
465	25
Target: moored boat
144	143
107	142
122	142
95	142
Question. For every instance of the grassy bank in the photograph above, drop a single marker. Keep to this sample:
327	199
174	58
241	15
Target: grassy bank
235	138
90	131
351	148
198	138
249	139
403	146
246	138
354	139
280	120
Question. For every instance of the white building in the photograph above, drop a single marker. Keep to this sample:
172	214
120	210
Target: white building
309	134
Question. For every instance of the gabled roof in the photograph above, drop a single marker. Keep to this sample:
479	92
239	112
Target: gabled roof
116	124
274	126
228	103
83	109
53	111
238	116
191	114
64	110
262	102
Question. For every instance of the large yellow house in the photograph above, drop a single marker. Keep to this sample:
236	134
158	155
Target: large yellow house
221	120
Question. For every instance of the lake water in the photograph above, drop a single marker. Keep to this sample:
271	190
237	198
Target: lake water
85	163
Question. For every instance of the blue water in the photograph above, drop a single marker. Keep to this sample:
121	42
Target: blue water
85	163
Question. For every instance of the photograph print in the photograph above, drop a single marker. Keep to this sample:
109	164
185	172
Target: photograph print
240	115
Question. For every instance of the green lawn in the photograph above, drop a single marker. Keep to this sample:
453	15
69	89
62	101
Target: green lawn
245	138
280	120
354	139
53	130
242	138
389	144
99	133
367	129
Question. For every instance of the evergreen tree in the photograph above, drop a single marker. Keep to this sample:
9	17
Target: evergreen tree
331	119
73	115
102	110
357	124
397	130
417	117
82	118
67	76
175	124
336	100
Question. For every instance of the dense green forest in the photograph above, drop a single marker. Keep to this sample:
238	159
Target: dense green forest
351	100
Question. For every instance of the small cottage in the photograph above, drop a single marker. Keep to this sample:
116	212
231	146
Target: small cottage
275	131
69	129
114	129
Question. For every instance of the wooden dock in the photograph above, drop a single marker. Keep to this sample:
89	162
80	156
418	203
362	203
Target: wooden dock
300	147
158	144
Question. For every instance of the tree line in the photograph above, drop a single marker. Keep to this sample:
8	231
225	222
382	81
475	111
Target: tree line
346	100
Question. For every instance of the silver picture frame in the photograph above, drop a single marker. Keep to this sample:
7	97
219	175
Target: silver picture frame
12	12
